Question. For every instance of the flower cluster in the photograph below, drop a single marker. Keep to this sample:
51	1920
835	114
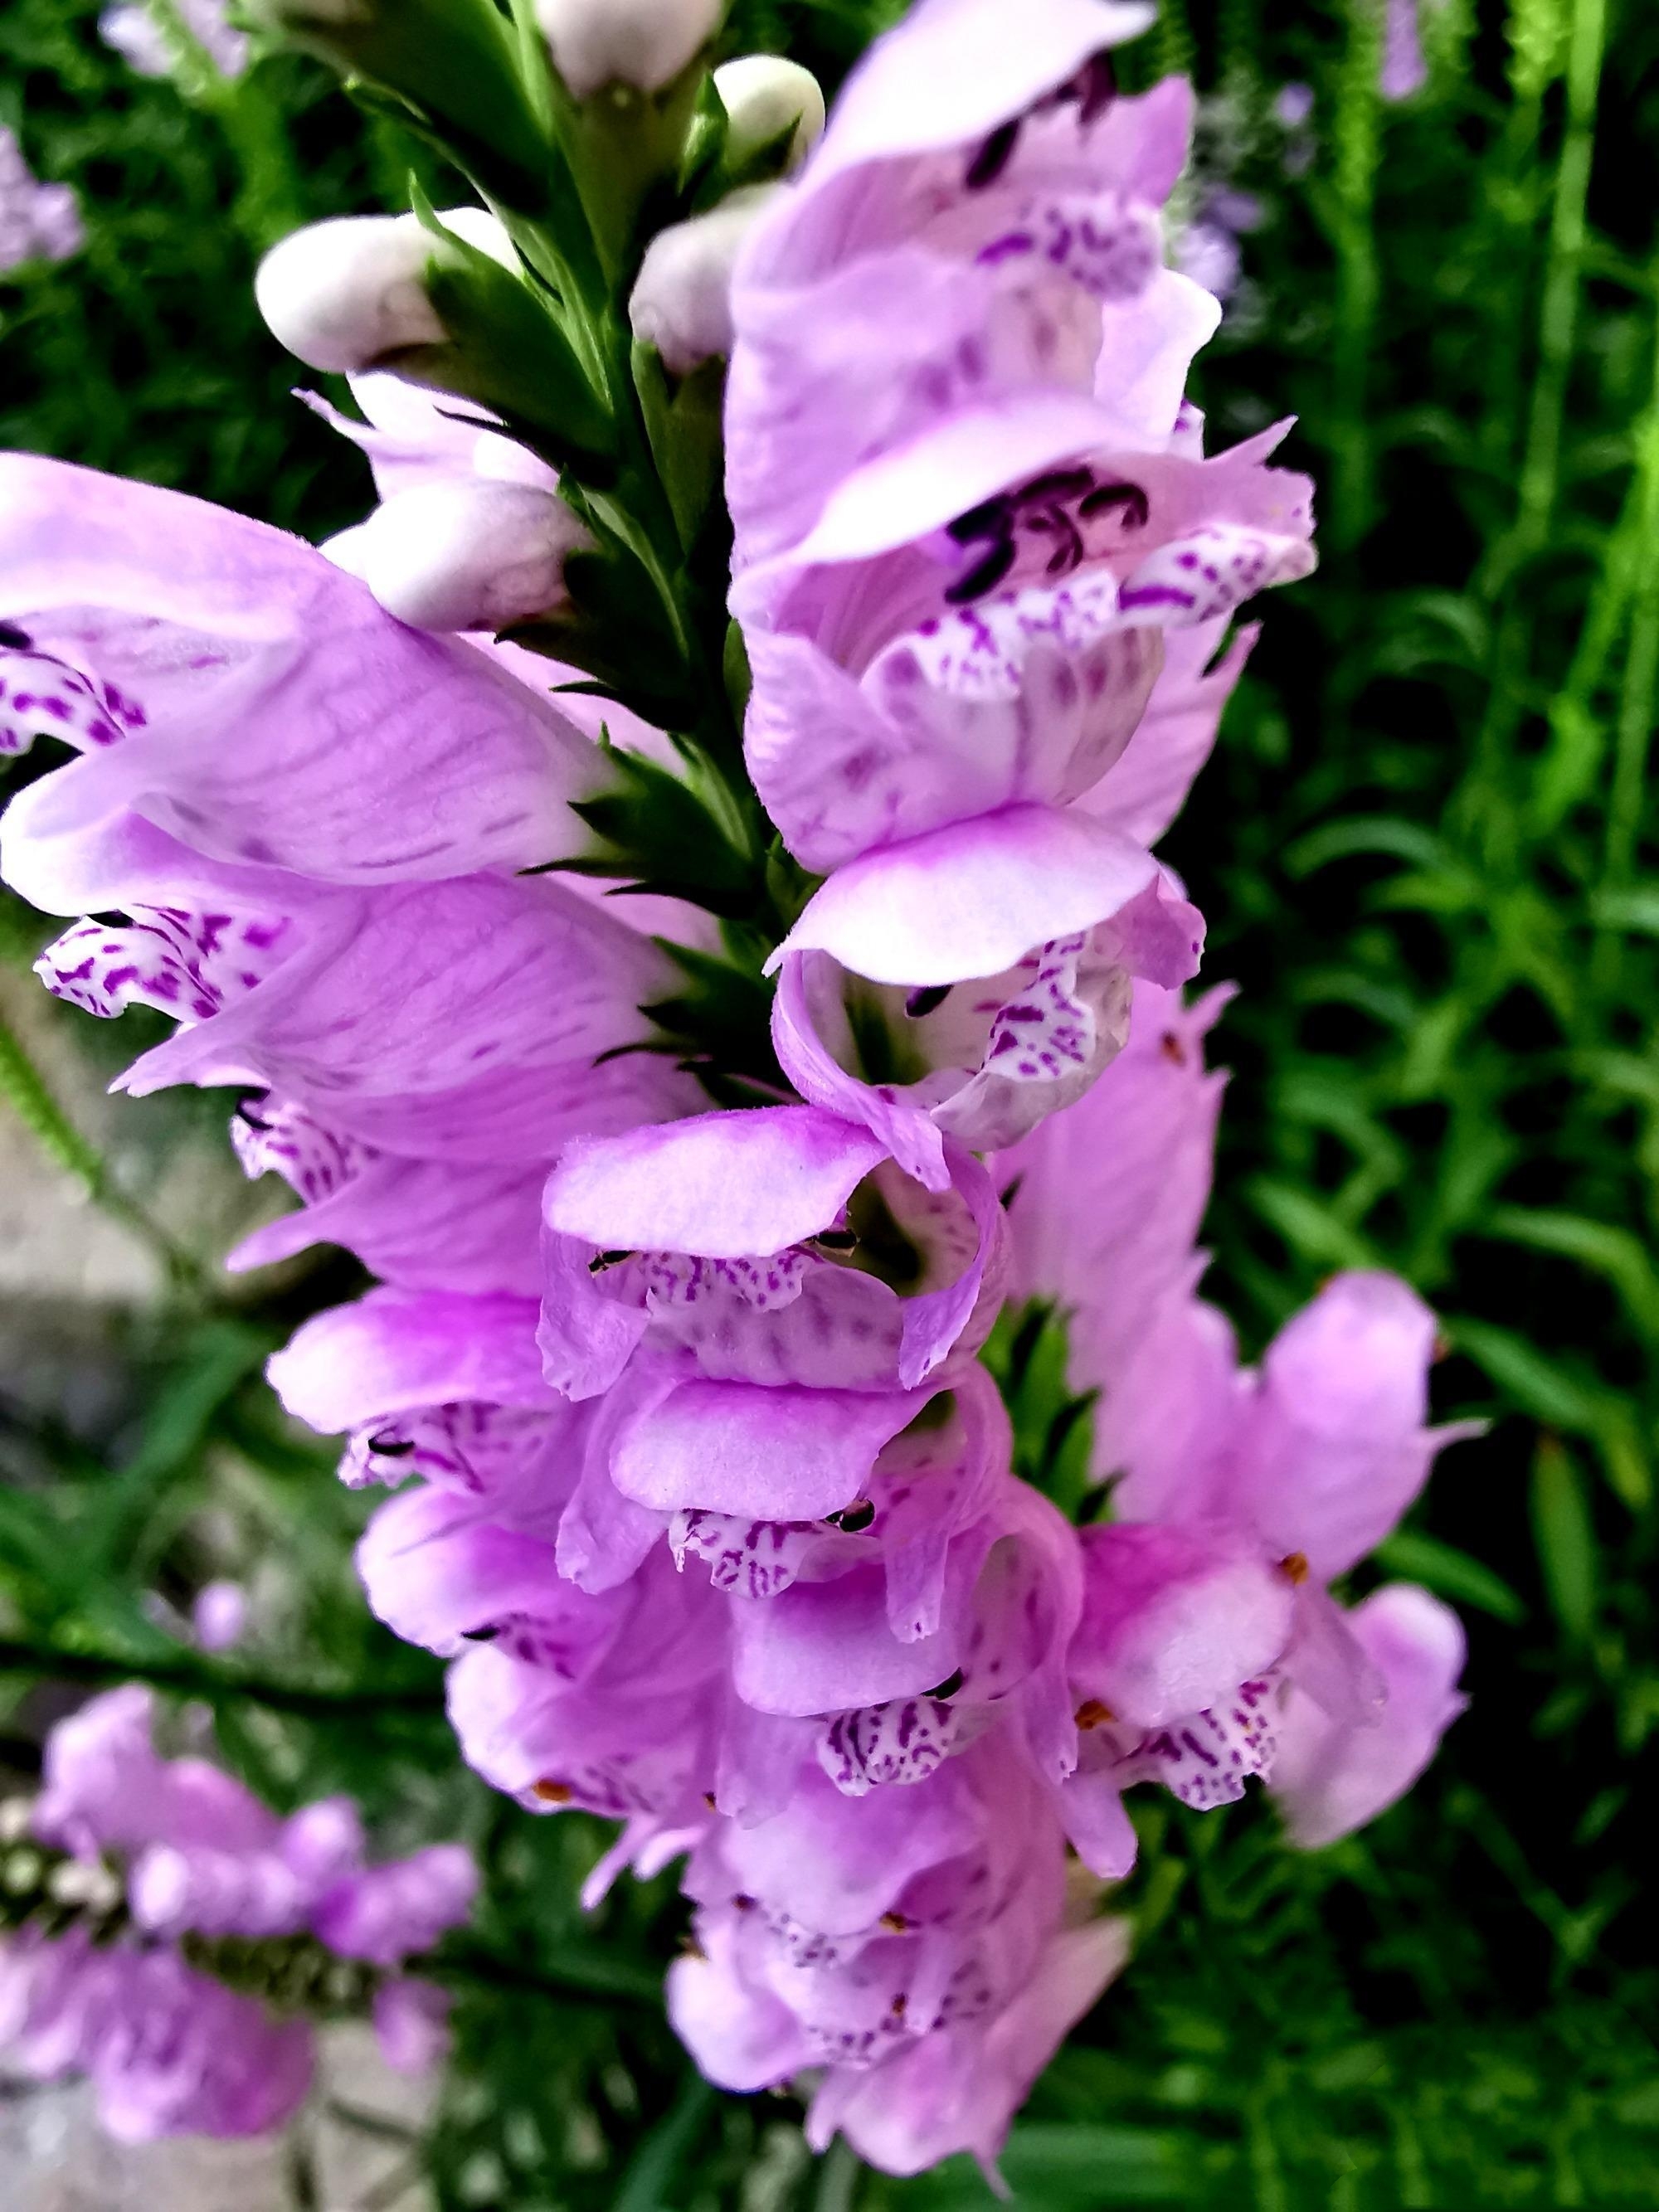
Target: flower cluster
700	1483
171	1938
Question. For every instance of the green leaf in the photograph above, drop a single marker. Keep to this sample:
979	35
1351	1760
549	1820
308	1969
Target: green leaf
1366	834
654	2181
1453	1574
1609	1250
1544	1388
1564	1537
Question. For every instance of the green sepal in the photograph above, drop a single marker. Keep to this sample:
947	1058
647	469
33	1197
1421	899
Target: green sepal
612	625
735	669
762	165
454	63
722	1019
788	885
683	421
654	830
625	148
705	143
506	350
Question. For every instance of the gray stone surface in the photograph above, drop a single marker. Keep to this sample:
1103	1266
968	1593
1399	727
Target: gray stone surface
54	2159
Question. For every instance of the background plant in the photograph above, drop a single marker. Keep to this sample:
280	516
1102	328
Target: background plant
1424	855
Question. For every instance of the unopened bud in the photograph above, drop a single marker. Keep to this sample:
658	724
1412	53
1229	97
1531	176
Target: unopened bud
343	295
642	43
763	95
467	554
682	302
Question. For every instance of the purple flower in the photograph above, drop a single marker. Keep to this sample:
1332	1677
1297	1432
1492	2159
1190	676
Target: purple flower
37	223
261	692
169	2048
134	33
980	975
1238	1498
470	534
1404	70
965	244
1330	1779
218	1618
1006	654
700	1485
913	1945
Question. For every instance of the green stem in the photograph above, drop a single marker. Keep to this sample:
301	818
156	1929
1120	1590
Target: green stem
599	1977
1636	698
197	1678
1558	319
1357	136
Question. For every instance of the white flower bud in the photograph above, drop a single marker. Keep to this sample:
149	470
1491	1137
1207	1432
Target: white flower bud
682	301
467	553
762	95
642	43
341	295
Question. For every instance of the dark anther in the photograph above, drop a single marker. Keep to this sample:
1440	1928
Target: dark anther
948	1687
992	159
984	576
391	1447
988	519
1094	88
18	640
601	1260
1056	483
928	1000
1068	552
245	1107
485	1635
836	1240
1130	497
854	1517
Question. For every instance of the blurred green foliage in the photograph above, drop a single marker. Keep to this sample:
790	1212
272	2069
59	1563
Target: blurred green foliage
1426	855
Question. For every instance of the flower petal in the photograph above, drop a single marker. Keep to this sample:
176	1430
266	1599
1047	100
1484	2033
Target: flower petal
969	900
276	693
1330	1779
731	1186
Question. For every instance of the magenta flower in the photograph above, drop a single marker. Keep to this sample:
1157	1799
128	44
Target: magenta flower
913	1945
169	2048
672	1364
37	223
1238	1498
133	32
197	625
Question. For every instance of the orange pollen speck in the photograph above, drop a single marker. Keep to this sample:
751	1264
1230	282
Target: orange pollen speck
708	1799
1091	1714
899	2004
552	1793
894	1923
1294	1566
1173	1050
